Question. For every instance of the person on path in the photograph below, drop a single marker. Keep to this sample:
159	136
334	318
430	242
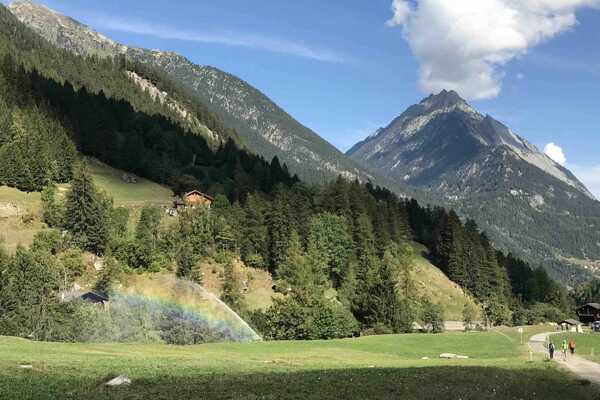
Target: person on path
551	350
572	346
564	349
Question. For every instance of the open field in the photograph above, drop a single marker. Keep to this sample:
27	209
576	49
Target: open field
587	344
14	204
127	194
364	368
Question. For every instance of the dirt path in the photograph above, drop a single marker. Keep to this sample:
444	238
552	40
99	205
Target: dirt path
581	367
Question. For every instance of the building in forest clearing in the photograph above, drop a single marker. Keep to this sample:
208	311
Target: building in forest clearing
192	199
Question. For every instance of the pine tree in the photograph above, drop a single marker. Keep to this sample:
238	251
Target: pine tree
52	212
111	272
87	212
29	294
399	259
279	225
148	227
300	272
232	295
186	264
329	235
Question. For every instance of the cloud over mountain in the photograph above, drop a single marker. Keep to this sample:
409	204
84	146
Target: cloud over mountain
463	44
556	153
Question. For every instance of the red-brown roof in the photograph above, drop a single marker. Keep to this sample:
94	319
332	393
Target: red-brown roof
199	193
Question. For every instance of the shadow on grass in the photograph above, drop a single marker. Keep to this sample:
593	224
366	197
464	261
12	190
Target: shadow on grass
368	383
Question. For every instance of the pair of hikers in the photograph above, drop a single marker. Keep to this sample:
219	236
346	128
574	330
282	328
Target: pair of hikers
570	346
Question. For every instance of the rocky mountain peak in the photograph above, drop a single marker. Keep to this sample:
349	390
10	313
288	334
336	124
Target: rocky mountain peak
63	31
444	99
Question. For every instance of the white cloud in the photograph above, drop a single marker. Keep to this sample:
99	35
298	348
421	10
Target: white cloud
556	153
589	175
463	44
227	38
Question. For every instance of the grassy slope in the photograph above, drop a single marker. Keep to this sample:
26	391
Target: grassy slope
430	282
14	204
257	282
371	367
131	195
587	344
433	283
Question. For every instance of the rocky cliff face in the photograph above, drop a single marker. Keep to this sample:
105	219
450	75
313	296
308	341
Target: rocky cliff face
471	162
263	126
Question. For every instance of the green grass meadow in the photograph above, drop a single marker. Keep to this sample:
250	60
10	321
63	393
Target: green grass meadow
587	345
376	367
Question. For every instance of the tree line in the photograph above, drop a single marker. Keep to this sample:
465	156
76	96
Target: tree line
340	253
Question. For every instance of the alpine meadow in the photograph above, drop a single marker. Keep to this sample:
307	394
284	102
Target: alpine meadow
168	231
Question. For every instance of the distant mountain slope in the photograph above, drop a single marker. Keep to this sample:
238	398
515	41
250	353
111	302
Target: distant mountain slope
263	126
528	203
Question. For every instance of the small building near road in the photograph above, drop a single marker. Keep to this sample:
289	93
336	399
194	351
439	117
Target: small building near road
589	313
571	325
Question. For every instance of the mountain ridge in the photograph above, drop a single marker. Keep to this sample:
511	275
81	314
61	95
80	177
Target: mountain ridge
265	128
471	162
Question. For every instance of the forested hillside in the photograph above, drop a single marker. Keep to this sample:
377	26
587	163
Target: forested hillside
340	253
45	117
264	127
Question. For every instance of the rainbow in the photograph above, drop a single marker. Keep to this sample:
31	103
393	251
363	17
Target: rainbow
175	308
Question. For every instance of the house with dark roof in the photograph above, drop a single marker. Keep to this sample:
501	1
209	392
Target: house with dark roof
589	313
96	299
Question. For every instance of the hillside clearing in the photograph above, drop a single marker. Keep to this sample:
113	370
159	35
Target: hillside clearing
370	367
16	205
123	192
434	284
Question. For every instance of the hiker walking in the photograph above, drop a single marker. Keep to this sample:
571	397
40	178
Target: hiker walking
572	346
564	349
551	350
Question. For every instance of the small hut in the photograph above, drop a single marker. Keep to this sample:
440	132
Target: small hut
571	325
589	313
96	299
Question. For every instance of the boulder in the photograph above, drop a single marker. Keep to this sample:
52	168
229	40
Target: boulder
118	381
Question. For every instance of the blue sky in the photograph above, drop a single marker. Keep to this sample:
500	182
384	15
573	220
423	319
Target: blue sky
342	68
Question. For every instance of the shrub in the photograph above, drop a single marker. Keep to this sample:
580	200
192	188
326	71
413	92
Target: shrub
433	317
299	317
133	254
254	261
51	241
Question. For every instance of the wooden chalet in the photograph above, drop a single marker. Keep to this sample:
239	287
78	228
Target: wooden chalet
193	199
589	313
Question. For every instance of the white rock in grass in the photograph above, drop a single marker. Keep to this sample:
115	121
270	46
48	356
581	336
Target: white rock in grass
453	356
118	381
26	366
447	355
